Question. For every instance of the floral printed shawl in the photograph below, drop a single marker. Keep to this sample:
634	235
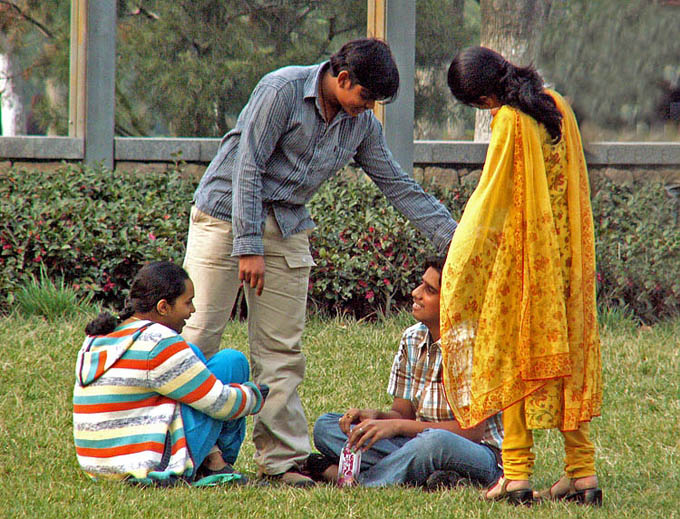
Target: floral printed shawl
518	312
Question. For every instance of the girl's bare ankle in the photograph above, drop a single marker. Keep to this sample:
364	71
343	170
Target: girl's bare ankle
214	461
586	482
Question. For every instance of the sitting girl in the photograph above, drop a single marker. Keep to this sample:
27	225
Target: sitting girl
147	406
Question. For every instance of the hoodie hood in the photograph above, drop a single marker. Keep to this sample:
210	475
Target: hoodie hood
99	353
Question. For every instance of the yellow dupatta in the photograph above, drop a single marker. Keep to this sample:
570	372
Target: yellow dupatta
518	313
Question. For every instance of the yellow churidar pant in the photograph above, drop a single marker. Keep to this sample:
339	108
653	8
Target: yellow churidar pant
518	311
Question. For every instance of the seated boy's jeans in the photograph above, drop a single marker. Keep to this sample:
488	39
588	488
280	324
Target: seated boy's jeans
402	460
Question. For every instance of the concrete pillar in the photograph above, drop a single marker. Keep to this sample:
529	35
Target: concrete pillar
101	82
395	22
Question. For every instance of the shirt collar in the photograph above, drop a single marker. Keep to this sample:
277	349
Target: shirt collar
311	88
427	340
311	91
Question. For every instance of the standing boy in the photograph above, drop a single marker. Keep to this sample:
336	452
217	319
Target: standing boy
418	441
300	126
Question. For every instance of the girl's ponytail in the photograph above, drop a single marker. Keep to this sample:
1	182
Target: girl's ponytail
522	88
478	72
103	324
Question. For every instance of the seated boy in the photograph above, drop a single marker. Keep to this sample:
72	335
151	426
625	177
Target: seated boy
418	441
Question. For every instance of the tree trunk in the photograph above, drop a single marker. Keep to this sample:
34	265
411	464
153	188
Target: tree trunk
11	105
57	96
457	13
511	28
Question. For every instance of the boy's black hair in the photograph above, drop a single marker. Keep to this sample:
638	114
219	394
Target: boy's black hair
370	64
437	263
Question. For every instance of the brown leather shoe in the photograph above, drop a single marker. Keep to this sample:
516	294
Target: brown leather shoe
315	466
292	478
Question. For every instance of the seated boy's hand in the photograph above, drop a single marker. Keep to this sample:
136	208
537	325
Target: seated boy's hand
355	415
364	435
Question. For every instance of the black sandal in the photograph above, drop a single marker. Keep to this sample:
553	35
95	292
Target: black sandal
585	496
521	496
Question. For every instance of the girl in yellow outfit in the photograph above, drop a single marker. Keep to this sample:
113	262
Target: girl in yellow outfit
518	313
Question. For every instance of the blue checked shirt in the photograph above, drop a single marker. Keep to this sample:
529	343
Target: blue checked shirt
417	377
281	150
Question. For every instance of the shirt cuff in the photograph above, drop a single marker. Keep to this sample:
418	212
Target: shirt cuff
248	246
442	240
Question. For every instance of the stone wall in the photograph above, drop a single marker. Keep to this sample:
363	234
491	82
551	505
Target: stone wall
438	162
427	175
448	176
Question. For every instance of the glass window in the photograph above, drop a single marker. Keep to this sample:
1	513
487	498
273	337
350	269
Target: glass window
187	67
34	68
616	61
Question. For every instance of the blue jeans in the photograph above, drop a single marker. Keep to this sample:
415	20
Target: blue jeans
402	460
202	432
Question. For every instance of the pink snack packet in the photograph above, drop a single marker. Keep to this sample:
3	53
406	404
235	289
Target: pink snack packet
348	469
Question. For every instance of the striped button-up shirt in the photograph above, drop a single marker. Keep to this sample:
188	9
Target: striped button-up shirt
417	376
281	150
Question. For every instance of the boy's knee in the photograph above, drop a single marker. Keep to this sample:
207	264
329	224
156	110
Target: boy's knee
325	420
433	439
323	426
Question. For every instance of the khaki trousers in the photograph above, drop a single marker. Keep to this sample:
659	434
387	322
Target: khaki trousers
518	460
275	323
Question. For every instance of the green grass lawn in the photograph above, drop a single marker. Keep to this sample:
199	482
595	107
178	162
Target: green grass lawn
348	363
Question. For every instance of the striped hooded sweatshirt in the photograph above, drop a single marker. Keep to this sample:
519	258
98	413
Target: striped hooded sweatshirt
126	401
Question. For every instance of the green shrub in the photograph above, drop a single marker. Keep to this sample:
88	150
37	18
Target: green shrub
637	240
90	227
51	300
368	257
93	229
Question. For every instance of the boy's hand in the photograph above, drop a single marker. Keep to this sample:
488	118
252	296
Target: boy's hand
355	415
251	271
364	435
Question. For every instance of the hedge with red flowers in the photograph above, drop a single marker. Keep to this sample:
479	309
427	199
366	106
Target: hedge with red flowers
90	227
637	243
368	257
94	228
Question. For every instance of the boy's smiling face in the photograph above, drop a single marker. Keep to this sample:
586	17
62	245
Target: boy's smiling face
426	301
352	97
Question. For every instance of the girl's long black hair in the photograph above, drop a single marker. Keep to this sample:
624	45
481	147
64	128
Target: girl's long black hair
478	71
154	281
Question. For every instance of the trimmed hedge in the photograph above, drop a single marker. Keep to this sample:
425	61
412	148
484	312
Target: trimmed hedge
637	241
94	228
368	257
